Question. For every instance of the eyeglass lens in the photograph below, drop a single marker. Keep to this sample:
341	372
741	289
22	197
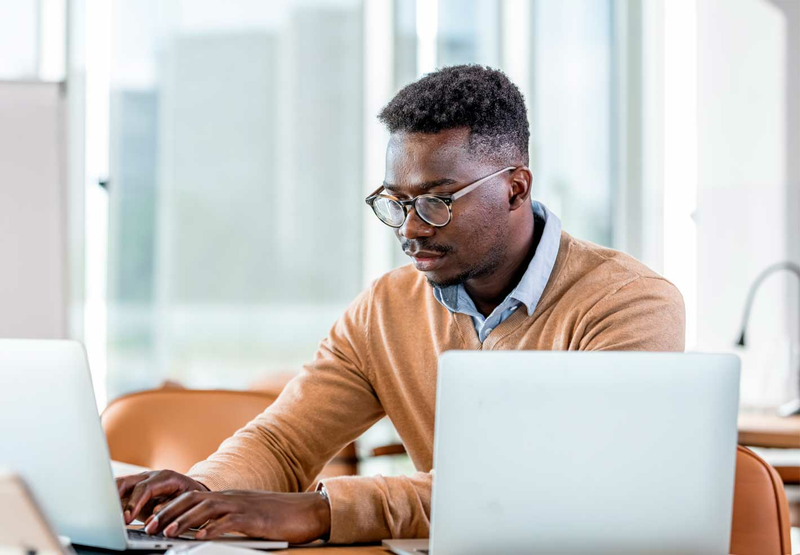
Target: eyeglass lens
431	209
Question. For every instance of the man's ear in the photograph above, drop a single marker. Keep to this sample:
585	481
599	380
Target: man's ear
520	192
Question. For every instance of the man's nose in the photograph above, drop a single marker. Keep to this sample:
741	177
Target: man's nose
415	227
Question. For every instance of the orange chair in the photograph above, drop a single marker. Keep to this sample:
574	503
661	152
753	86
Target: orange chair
175	428
760	510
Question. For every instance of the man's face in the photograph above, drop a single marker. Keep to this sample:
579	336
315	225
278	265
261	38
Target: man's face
474	243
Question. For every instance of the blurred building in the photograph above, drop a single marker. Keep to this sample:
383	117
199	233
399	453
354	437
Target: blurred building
236	190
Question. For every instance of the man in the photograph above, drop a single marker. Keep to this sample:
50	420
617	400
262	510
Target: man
491	270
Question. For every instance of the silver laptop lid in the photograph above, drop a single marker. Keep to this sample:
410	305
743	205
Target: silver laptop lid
573	452
50	434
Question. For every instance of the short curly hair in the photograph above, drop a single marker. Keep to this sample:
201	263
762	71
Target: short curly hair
480	98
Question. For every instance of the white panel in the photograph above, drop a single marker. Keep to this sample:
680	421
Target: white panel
18	48
742	190
32	229
791	11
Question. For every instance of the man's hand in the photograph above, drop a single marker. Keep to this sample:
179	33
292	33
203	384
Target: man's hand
141	492
292	517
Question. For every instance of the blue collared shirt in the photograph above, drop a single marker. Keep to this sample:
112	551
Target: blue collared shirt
527	292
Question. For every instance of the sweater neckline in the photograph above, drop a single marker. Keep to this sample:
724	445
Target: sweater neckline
467	329
470	334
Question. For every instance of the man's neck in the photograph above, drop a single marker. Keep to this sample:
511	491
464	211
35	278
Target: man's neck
489	292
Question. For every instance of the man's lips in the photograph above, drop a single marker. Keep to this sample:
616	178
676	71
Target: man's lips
425	261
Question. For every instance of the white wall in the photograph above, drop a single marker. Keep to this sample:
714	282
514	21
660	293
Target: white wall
33	279
743	224
791	12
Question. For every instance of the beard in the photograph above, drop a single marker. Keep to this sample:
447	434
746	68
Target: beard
485	267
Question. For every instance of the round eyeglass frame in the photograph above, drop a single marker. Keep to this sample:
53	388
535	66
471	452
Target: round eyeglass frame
447	199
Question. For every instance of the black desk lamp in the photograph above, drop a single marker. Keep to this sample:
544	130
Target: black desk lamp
792	407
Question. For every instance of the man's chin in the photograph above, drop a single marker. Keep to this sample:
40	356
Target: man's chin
441	280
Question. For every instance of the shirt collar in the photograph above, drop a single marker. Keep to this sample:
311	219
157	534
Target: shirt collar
530	288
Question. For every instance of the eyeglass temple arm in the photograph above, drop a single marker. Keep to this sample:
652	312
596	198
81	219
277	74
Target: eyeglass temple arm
373	194
459	194
470	188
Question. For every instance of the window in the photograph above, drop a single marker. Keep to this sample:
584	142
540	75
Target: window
235	192
237	162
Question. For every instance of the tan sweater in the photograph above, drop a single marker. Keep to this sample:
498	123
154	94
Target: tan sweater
380	358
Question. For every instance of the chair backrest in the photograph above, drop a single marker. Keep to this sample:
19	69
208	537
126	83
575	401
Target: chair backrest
760	510
175	428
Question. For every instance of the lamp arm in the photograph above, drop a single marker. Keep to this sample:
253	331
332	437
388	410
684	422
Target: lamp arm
769	270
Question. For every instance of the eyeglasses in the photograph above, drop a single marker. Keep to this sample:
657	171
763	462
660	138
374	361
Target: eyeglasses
435	210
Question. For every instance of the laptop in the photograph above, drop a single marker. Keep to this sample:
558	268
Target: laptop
569	453
50	434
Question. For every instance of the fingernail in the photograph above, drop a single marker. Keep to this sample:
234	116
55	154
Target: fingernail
151	528
200	535
127	517
171	529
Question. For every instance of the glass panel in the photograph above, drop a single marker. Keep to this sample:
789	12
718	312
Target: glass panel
405	42
469	32
571	113
236	190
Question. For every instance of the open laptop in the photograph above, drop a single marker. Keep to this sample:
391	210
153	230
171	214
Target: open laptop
50	434
577	453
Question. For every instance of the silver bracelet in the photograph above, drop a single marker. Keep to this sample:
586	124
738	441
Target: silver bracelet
322	490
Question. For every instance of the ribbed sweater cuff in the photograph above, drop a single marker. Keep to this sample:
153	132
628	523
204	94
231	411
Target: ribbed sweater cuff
355	514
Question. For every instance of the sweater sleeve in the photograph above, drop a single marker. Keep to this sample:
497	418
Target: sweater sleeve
366	509
646	314
328	405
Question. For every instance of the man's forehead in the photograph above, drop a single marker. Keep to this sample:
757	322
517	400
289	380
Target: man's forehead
414	159
448	143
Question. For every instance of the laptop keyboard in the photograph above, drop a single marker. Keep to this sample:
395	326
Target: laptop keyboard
138	534
142	535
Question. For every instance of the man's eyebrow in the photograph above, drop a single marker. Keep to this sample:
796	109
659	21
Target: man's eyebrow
424	186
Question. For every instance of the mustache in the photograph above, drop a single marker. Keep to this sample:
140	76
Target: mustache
417	245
